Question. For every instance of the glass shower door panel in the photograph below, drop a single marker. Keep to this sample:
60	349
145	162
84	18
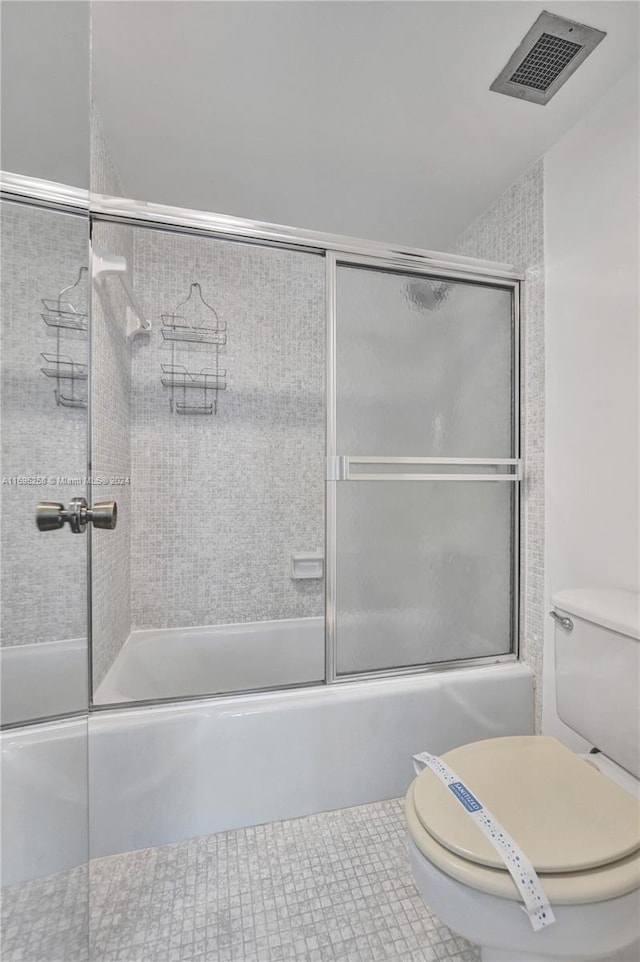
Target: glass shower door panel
424	572
43	401
226	501
424	366
43	619
44	322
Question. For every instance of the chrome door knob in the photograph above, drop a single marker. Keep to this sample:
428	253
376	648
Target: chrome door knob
51	515
104	514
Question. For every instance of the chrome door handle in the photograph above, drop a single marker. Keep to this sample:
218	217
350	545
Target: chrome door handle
51	515
563	621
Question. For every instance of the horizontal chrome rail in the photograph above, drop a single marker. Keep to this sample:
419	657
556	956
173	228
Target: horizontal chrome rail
46	193
104	207
340	469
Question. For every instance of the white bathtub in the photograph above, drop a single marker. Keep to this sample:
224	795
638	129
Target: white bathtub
178	662
166	773
38	681
44	801
172	772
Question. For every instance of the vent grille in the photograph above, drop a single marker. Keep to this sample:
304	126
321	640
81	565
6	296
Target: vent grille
550	52
545	62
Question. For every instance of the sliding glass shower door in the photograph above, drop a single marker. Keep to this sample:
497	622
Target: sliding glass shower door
423	445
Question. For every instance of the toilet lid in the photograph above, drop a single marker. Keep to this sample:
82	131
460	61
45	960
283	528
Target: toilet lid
564	814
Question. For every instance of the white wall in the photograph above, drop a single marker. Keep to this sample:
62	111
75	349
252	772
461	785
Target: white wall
592	438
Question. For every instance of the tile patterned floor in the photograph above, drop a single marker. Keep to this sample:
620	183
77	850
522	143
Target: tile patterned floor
333	887
47	920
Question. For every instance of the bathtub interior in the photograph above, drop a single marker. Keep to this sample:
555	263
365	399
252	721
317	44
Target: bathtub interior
215	659
43	680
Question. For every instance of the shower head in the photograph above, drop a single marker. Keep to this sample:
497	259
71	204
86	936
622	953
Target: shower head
425	294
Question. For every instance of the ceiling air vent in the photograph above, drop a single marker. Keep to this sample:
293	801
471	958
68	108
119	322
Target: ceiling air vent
551	51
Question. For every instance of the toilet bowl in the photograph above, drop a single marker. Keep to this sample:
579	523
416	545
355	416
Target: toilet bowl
580	830
577	820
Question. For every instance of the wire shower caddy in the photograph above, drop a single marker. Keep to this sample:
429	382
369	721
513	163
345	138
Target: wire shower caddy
182	380
61	315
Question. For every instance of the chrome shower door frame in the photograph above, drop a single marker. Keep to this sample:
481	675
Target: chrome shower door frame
338	464
336	250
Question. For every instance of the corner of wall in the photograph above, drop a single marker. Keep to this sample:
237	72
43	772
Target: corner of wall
512	230
104	177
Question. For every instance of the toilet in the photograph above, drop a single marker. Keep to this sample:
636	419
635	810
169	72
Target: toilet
576	817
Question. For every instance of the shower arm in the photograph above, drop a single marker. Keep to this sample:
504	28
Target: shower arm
103	265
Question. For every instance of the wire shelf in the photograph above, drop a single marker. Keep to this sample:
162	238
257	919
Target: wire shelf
69	402
61	312
176	375
174	330
69	320
63	369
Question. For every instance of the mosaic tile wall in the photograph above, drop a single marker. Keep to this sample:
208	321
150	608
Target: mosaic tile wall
104	175
111	428
512	231
42	253
220	502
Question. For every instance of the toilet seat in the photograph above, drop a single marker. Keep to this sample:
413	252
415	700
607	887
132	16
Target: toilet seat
579	829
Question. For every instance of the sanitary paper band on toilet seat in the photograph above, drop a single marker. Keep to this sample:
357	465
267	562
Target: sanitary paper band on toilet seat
536	904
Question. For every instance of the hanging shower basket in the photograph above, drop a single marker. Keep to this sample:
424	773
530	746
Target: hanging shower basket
203	327
66	314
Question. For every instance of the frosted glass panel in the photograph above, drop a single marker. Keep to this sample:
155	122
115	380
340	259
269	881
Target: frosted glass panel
423	366
424	572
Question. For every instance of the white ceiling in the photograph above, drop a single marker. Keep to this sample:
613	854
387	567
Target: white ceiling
372	119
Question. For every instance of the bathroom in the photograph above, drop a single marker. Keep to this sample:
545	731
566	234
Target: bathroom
328	456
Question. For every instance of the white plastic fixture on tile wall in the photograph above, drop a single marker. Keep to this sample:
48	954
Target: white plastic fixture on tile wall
103	265
308	564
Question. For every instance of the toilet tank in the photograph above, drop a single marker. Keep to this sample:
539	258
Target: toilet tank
597	656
